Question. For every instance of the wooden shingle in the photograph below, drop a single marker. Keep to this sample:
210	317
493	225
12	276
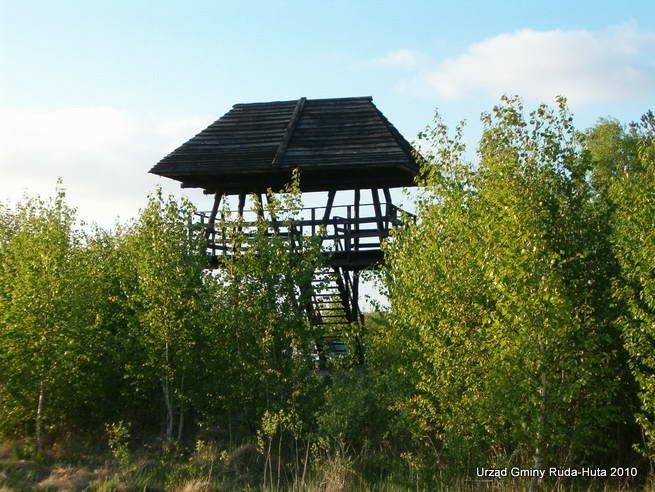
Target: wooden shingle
336	144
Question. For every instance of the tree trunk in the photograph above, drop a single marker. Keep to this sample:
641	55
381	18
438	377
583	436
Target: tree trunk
180	424
167	397
39	414
169	410
542	417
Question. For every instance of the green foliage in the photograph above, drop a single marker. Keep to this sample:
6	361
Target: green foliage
259	329
360	402
520	329
351	412
497	298
631	192
49	339
103	326
168	300
118	436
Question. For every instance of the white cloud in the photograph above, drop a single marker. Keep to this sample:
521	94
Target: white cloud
102	154
584	66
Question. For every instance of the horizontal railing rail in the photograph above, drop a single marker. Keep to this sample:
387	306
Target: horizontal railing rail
347	228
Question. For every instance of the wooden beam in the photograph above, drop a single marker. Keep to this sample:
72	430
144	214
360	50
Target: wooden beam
212	215
286	137
387	198
347	232
387	208
357	198
274	222
343	293
359	175
359	346
355	290
328	207
378	211
242	204
260	206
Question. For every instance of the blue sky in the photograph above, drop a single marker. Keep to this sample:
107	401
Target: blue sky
96	92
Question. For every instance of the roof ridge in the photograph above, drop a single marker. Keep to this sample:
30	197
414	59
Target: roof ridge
325	99
351	98
288	132
263	103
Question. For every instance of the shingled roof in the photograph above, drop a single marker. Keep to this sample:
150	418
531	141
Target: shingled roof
340	143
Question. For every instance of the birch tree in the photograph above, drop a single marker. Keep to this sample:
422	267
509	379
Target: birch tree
168	258
496	297
625	178
45	337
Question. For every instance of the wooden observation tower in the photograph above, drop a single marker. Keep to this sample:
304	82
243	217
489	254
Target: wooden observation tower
343	145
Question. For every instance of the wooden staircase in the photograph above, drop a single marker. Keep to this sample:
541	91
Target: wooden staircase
328	307
334	311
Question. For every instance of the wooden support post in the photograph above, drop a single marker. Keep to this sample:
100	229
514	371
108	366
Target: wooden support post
328	210
308	298
347	237
355	290
242	204
388	207
357	198
274	222
345	275
378	212
343	293
387	198
291	231
328	207
260	206
223	233
359	346
212	215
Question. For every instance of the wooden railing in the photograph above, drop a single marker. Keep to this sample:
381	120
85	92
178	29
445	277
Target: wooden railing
347	229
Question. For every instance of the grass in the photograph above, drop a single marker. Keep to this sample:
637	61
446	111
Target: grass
210	468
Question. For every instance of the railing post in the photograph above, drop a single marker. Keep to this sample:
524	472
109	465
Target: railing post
347	230
357	198
389	205
378	213
223	238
